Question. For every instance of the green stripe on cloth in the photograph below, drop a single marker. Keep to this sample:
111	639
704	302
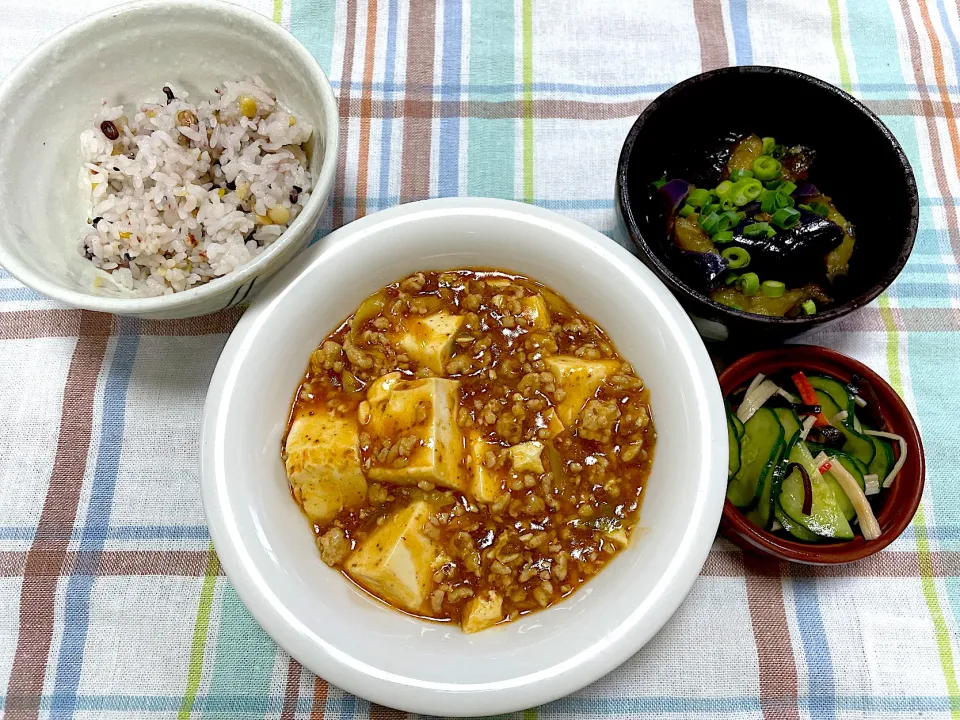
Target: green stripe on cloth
530	714
837	32
278	11
245	655
924	557
312	23
199	644
925	560
490	142
528	100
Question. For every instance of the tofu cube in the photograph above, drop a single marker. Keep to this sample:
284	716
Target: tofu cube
550	421
579	379
486	485
526	457
536	312
323	465
482	611
379	391
428	340
396	561
427	409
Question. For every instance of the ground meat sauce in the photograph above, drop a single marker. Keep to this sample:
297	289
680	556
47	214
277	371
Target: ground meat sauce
560	499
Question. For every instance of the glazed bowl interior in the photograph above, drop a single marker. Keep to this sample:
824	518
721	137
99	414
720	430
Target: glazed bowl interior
858	163
896	505
359	644
125	56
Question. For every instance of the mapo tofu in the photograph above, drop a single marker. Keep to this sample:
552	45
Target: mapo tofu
468	447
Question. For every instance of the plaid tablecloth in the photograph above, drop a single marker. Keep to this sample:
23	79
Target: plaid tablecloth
112	602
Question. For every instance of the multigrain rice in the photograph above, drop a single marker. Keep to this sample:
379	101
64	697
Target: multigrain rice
182	193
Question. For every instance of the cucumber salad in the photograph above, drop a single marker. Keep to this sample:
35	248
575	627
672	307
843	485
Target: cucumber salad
807	458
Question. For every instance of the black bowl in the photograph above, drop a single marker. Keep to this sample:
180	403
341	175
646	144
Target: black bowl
858	163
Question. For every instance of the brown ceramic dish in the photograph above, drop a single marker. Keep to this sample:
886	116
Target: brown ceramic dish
898	503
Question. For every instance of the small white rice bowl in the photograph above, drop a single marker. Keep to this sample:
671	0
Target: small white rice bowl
121	58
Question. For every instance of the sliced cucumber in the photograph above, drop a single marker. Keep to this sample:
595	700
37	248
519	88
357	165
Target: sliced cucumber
760	450
883	461
857	445
838	393
791	426
792	527
738	425
733	443
826	517
762	514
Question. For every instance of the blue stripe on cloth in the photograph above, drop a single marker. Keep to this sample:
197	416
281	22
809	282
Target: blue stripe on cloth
816	649
386	137
948	29
892	90
580	203
448	180
199	532
741	32
19	294
258	706
120	534
97	521
939	291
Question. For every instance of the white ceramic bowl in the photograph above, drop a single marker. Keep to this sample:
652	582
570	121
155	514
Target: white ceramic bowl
125	55
355	642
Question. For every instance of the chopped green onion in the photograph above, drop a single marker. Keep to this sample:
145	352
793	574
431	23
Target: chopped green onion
773	184
724	236
709	222
820	209
660	183
739	174
756	229
727	205
786	218
745	191
736	257
809	307
712	208
699	197
687	210
765	168
728	220
768	201
783	200
749	284
788	187
773	288
731	278
768	145
723	188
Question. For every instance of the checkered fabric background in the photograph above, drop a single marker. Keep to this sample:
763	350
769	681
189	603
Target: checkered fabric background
112	602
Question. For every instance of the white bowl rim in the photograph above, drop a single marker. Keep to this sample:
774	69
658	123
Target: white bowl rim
432	698
319	195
